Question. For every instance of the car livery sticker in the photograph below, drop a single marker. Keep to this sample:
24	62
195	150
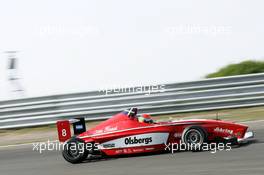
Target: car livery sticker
136	140
228	131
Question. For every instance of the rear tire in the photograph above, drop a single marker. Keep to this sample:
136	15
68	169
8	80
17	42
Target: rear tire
75	151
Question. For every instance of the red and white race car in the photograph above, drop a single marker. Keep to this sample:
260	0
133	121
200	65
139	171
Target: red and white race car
129	133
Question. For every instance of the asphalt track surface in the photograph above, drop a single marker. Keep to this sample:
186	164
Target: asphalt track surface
247	159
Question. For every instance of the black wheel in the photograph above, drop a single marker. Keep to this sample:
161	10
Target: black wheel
194	137
75	151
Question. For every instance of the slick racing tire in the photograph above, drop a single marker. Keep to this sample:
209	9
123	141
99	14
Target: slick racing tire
194	137
75	151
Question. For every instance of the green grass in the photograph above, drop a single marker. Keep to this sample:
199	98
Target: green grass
239	114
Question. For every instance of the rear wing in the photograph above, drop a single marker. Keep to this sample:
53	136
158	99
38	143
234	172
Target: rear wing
64	128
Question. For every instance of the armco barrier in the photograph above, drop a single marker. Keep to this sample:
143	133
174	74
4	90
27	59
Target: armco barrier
208	94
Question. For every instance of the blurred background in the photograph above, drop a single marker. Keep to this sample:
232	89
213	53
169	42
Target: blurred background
74	46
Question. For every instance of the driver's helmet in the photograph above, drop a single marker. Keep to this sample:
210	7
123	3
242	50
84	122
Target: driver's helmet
145	118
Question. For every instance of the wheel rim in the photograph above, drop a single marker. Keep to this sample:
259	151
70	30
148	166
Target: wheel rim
193	137
75	153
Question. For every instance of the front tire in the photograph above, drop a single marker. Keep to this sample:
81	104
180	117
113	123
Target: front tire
194	137
75	151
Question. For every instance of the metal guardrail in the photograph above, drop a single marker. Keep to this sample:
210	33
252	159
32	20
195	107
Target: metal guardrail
208	94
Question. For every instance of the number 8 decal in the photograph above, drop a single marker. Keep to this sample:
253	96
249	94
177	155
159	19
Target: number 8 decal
64	132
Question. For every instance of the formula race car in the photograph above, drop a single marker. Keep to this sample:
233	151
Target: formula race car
127	133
